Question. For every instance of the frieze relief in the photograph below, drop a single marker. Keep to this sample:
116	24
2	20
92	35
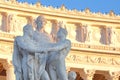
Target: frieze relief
7	35
96	47
90	59
6	47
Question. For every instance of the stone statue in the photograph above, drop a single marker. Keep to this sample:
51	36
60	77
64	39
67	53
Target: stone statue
56	64
72	75
31	52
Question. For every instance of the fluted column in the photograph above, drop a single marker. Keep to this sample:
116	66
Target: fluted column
114	75
9	70
89	74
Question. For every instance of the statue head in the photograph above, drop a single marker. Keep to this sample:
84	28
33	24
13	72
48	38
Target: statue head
72	75
28	30
41	22
62	34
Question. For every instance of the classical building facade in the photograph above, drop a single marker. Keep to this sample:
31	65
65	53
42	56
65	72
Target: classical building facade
95	52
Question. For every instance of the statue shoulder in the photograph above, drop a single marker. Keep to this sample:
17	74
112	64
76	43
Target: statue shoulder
18	38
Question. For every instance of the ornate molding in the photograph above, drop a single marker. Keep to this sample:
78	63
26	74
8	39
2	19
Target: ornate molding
93	59
114	75
6	47
62	9
89	74
7	35
96	48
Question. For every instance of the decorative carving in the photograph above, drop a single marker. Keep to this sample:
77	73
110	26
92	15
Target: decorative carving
6	48
111	13
87	10
93	60
96	47
63	8
38	4
114	75
89	74
12	23
7	64
7	36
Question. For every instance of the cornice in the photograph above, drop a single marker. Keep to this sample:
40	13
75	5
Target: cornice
62	11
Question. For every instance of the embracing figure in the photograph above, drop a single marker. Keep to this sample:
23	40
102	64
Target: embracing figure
36	57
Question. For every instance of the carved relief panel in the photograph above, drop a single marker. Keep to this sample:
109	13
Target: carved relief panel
72	31
95	35
21	22
48	27
116	37
12	23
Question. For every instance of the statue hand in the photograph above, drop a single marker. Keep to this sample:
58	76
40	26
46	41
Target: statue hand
68	43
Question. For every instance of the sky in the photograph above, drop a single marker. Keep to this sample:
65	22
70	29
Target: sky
103	6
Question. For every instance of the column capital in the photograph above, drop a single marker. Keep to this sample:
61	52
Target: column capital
89	74
114	75
7	64
9	69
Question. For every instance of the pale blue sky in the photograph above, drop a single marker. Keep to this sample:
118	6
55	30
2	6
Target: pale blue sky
103	6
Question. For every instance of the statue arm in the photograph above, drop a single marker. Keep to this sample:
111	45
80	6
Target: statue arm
30	46
59	46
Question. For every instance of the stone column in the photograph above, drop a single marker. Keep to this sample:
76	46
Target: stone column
114	75
89	74
9	70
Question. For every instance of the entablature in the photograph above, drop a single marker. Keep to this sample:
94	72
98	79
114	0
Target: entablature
59	12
